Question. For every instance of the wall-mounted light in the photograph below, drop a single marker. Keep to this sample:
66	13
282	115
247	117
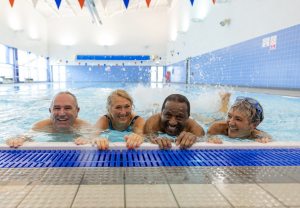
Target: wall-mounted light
224	22
181	32
170	41
146	46
19	31
196	20
105	46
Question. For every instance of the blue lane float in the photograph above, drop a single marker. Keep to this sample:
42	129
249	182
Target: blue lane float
148	158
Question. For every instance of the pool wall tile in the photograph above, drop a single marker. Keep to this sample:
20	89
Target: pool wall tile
247	63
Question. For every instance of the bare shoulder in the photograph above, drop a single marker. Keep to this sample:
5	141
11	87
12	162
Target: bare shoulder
153	123
139	121
81	123
43	123
193	127
102	123
218	127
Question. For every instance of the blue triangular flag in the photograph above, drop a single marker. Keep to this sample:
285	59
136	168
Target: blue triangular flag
58	3
126	2
85	64
192	1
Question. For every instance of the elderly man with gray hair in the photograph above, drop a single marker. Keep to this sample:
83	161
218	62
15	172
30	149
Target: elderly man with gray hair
63	119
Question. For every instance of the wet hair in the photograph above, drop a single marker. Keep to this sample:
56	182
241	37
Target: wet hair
67	93
249	111
115	93
179	99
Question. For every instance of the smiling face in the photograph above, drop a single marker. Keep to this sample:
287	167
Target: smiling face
174	117
120	110
63	112
238	124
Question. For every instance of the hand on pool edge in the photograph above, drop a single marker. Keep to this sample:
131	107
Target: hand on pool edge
15	142
163	142
82	141
185	140
133	140
102	143
214	140
263	140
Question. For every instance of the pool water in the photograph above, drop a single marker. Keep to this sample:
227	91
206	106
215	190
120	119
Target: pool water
23	105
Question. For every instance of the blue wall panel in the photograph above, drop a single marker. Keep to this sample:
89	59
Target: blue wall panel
178	72
98	74
249	64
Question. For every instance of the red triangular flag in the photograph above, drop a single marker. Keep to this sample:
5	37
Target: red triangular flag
148	2
214	1
81	2
11	3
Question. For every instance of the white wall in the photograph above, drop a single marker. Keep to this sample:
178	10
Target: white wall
125	34
23	16
249	19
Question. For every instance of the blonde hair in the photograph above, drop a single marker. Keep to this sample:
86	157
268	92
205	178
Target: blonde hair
118	92
248	110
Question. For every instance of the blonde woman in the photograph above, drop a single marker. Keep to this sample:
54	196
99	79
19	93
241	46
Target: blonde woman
119	117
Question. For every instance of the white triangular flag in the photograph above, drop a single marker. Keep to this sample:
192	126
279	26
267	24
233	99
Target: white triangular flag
170	3
104	3
34	2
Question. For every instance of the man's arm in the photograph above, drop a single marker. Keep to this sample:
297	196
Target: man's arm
194	128
152	126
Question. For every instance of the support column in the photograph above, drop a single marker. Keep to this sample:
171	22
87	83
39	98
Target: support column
188	70
16	65
48	71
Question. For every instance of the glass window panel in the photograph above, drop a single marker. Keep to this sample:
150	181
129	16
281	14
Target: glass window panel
6	71
153	73
2	54
23	73
42	63
42	75
55	74
34	74
62	74
33	60
23	58
160	74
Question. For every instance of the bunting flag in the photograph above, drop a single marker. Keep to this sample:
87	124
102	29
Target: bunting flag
98	64
104	3
116	64
170	3
58	3
79	63
11	3
135	62
126	2
81	2
148	2
34	2
214	1
192	2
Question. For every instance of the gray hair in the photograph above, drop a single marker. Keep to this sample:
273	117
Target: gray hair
248	110
64	92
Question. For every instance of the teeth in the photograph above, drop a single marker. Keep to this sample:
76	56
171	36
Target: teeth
233	128
172	127
62	119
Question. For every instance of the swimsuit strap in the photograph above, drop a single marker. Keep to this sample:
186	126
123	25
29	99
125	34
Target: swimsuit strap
110	124
133	120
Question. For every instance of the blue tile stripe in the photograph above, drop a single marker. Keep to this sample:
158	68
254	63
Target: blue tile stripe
148	158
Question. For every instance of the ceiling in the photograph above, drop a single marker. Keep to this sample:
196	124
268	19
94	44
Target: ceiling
71	8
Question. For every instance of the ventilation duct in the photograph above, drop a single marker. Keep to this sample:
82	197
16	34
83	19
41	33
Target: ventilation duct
90	4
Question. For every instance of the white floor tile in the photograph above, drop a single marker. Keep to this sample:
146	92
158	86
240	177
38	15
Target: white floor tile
156	195
247	195
91	196
198	195
288	193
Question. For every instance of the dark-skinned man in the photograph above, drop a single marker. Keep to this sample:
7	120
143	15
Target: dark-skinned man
174	121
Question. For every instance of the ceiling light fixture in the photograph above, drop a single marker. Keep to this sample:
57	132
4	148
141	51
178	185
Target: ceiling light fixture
181	32
196	20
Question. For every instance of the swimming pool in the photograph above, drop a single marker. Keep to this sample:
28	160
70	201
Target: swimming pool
23	105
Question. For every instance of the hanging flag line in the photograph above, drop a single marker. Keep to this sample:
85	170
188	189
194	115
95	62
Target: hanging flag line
104	2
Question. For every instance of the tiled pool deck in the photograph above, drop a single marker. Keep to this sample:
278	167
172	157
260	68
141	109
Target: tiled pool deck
151	187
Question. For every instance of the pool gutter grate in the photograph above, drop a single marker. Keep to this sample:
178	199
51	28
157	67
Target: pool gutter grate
148	158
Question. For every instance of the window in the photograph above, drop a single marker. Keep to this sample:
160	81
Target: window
160	74
59	73
153	73
3	54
